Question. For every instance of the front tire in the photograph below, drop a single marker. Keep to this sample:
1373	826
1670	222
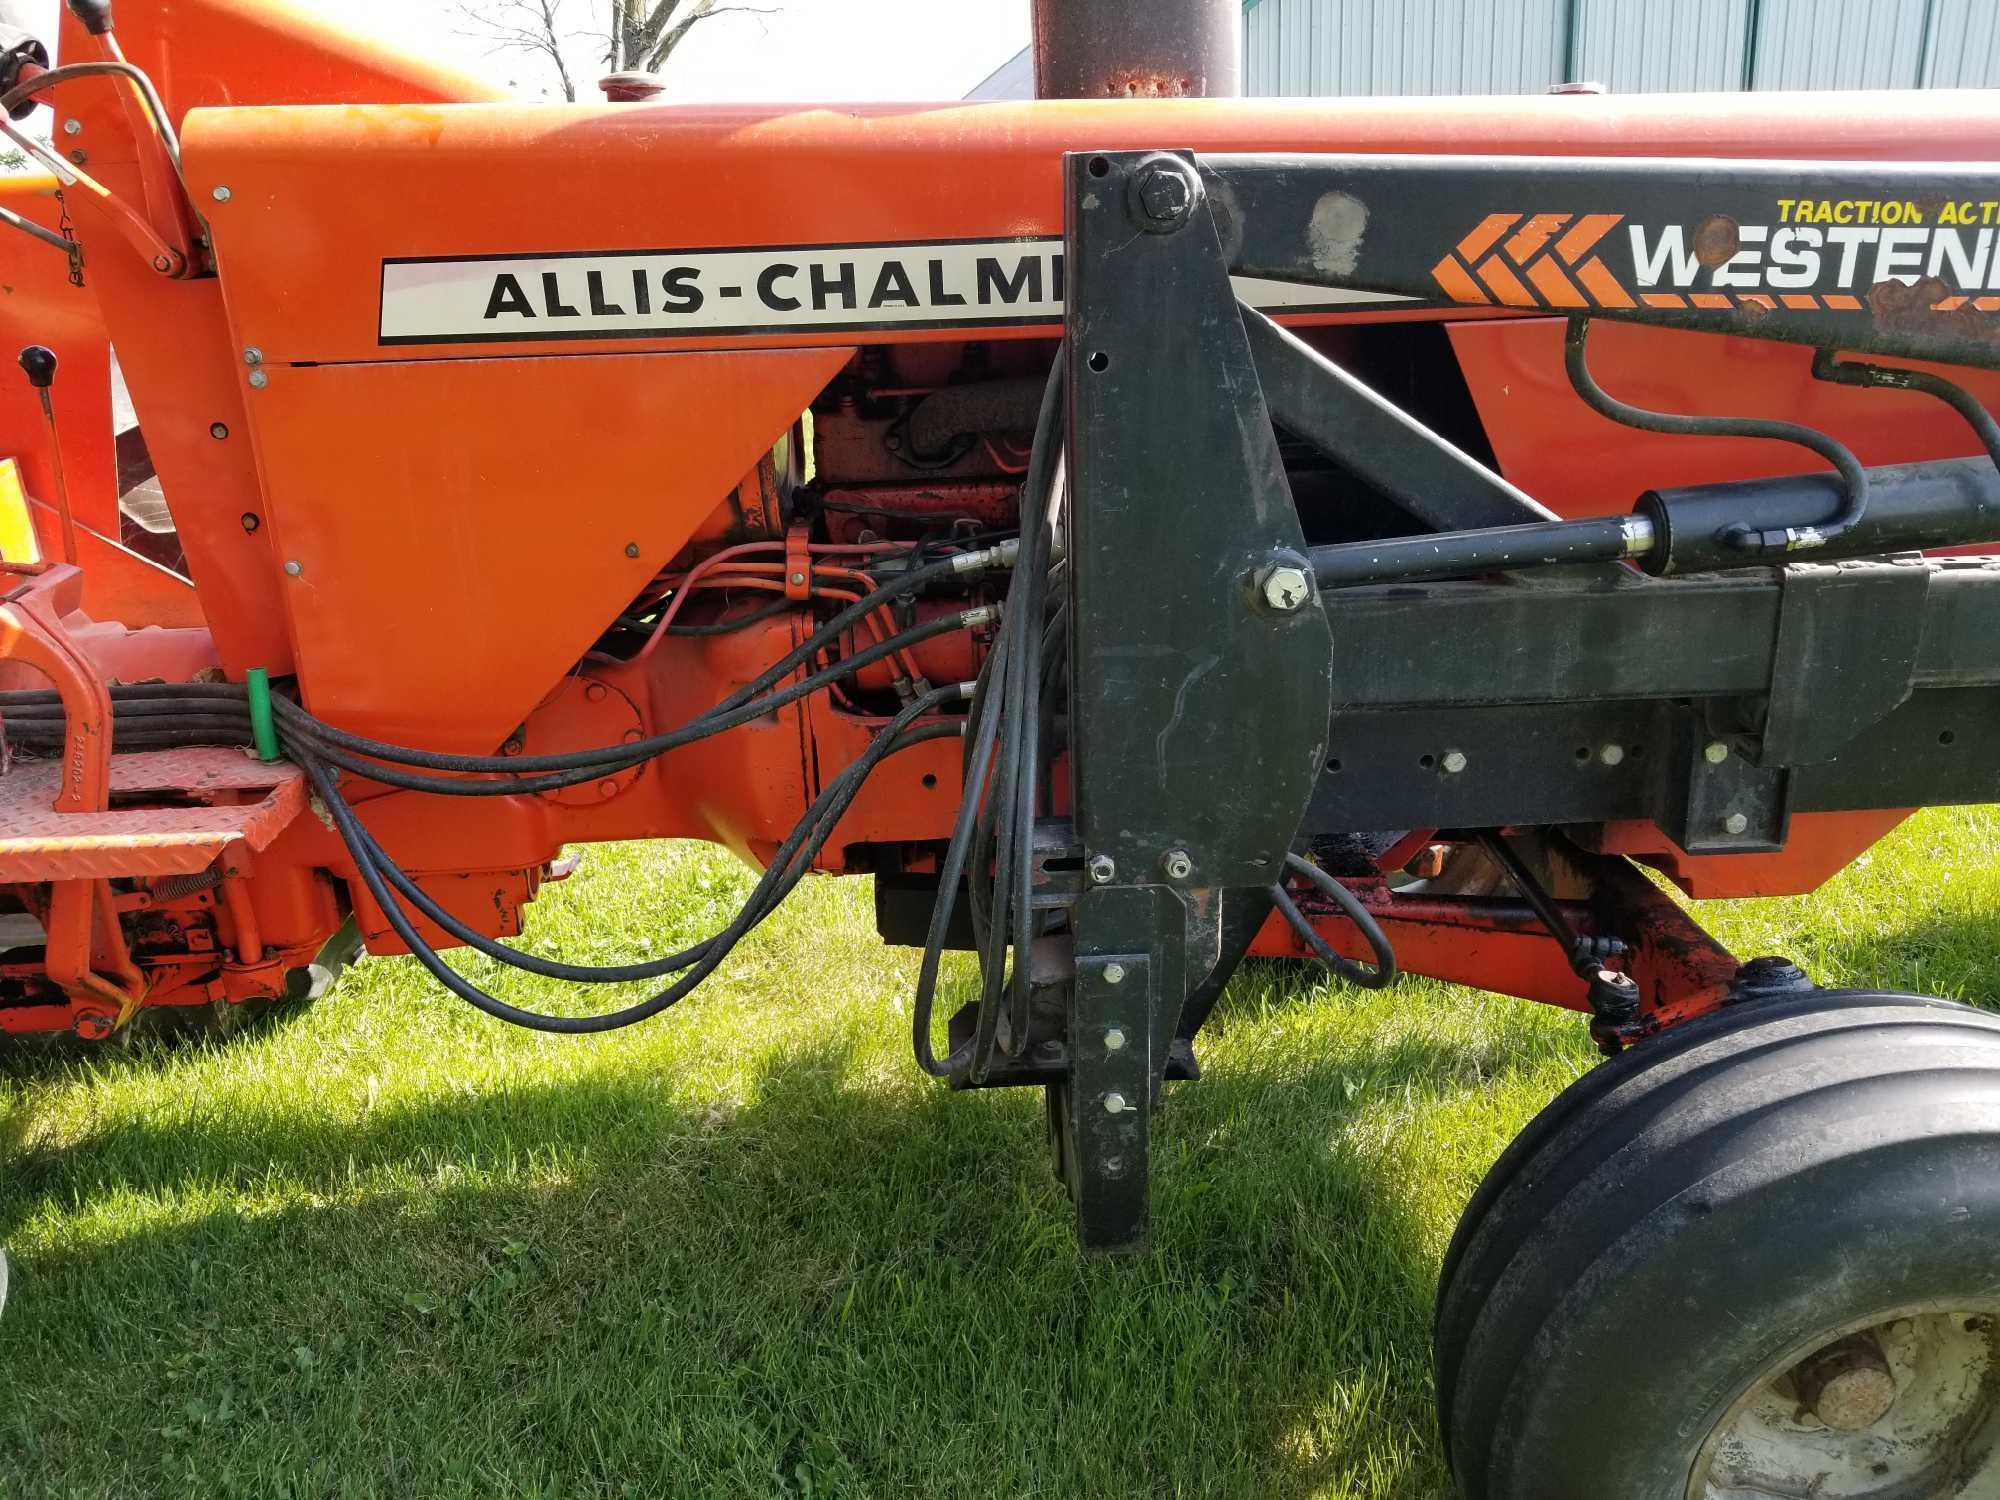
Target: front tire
1756	1257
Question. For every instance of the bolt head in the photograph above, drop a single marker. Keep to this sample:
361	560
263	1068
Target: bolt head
251	520
294	568
1286	588
1103	869
258	380
162	263
1115	1104
798	580
221	194
1164	194
218	430
631	549
1612	755
72	127
1454	762
1736	823
1178	864
253	356
1114	1039
1715	752
1114	973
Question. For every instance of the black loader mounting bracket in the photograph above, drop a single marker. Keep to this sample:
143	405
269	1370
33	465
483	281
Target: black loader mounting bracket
1237	695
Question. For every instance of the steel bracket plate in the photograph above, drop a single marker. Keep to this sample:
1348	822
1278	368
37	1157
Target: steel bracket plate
1846	654
1199	710
1107	1109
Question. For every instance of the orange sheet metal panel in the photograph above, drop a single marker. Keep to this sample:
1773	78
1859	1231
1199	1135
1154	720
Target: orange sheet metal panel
39	306
320	199
1560	451
453	535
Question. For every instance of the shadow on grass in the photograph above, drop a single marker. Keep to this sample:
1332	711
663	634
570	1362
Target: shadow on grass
836	1286
154	1033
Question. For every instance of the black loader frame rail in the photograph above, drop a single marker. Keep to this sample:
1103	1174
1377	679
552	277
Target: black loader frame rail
1778	644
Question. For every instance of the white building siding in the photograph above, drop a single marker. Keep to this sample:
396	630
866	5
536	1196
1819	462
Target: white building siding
1300	47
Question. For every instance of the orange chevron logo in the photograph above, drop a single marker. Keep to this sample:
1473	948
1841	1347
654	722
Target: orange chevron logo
1533	260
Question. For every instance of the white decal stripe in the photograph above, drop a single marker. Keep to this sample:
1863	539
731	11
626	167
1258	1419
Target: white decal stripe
669	293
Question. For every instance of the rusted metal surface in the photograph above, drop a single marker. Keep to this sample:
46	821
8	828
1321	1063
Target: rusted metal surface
1137	49
235	800
1501	945
1848	1384
1682	972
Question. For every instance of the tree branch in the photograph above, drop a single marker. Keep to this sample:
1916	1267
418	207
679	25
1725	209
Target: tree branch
529	26
702	11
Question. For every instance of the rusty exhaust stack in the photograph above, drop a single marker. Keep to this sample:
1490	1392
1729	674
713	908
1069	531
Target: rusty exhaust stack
1138	49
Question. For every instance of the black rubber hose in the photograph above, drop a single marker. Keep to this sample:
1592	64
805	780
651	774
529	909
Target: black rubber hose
765	896
123	729
168	737
1033	573
1802	537
820	821
1830	367
993	852
131	711
620	756
992	676
1385	971
129	693
727	626
978	762
1008	827
300	728
900	735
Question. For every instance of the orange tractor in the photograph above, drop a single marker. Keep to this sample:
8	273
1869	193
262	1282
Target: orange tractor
1139	530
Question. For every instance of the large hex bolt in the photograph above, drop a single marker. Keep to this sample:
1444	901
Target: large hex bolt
1163	194
1769	978
1285	588
1848	1385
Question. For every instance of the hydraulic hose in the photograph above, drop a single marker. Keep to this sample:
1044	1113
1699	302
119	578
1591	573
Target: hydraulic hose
1801	537
620	756
1384	972
794	857
995	824
158	714
901	737
298	727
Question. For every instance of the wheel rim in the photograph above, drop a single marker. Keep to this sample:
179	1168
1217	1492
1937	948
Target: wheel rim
1913	1400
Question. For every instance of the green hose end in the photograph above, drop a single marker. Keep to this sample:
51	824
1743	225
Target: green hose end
262	729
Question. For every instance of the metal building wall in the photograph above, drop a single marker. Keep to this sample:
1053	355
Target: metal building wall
1660	46
1964	50
1404	46
1631	46
1840	44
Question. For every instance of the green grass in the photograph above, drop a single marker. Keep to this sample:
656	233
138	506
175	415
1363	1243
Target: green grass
385	1247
